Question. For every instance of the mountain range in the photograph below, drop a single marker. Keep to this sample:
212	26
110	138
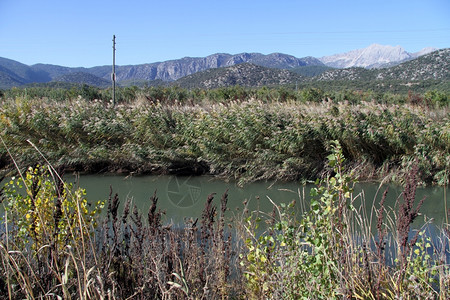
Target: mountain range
372	59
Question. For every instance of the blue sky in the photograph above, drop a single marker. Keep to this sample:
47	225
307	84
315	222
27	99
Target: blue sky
79	33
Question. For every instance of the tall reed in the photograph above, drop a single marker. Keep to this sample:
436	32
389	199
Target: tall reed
244	140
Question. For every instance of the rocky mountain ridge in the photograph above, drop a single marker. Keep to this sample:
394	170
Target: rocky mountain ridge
245	74
174	69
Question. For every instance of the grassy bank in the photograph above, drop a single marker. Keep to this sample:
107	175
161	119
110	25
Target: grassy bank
54	245
245	140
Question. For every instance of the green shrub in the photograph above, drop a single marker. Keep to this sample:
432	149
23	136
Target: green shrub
47	211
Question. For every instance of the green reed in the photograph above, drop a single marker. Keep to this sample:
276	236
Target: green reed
244	140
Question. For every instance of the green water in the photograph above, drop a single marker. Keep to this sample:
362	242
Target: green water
184	197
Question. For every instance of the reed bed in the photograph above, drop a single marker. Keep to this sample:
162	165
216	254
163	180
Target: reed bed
244	140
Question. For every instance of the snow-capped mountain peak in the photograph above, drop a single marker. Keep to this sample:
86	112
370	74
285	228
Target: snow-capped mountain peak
372	57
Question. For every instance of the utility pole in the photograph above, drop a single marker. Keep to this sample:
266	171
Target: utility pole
113	75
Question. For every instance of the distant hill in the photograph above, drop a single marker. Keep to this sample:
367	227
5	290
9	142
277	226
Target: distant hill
245	74
311	71
13	73
9	79
83	78
435	65
50	72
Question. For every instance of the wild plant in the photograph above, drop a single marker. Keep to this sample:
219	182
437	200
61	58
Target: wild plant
48	234
150	259
303	258
330	252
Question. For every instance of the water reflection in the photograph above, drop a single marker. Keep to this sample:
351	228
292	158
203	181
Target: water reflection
182	197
